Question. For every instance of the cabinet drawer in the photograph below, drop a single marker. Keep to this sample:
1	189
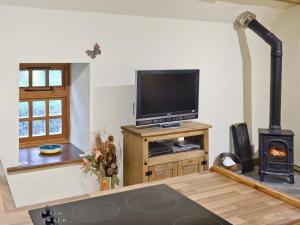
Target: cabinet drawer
190	169
163	175
163	167
163	171
189	166
189	162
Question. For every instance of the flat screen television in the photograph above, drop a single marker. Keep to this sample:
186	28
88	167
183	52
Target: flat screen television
166	96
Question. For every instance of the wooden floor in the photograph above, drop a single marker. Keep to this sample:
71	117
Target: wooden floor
234	202
261	186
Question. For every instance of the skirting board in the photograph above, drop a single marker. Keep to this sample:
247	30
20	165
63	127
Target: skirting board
267	190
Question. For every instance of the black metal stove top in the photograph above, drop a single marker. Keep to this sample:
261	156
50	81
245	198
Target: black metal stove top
155	205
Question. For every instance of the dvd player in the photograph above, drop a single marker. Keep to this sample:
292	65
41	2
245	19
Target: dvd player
167	147
160	148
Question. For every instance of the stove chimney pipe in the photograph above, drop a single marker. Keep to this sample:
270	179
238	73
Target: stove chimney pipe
248	19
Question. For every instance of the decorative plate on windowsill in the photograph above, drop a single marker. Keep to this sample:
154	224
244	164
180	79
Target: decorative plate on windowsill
50	149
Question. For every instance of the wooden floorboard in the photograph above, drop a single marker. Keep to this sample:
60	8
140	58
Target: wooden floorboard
235	202
251	183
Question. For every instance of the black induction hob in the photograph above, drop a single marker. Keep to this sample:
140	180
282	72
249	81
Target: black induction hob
155	205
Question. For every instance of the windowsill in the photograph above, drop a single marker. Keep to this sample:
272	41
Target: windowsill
30	158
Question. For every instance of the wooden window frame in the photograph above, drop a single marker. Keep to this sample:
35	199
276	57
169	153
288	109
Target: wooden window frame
47	93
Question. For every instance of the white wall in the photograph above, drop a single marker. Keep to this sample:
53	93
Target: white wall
288	29
256	69
128	43
112	110
46	185
207	10
80	106
260	66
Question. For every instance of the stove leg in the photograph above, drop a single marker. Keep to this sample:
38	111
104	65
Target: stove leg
261	176
291	178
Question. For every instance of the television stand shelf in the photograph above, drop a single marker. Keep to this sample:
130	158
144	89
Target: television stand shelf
139	167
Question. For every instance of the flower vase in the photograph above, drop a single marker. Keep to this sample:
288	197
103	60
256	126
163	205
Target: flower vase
105	183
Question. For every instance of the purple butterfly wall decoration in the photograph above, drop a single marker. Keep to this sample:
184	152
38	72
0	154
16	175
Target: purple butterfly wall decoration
95	52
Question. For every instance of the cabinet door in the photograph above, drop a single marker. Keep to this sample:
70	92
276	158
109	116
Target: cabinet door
163	171
189	166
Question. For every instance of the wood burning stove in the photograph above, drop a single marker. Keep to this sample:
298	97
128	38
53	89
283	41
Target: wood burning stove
275	144
276	153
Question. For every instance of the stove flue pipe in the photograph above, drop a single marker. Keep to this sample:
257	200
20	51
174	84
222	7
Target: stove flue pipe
248	19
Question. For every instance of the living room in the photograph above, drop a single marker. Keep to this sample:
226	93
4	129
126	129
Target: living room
234	80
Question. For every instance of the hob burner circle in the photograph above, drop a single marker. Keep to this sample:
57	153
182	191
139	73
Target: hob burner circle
95	211
196	220
152	202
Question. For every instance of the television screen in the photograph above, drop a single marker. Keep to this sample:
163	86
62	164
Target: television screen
166	93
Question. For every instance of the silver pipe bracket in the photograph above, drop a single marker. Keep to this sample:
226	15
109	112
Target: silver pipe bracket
245	18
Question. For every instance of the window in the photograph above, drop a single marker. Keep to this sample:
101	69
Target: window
44	104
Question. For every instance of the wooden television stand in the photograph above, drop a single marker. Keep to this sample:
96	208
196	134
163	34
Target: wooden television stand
139	167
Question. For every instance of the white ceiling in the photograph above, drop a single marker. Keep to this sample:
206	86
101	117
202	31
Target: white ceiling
211	10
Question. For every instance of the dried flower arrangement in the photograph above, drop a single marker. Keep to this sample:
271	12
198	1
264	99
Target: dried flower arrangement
103	159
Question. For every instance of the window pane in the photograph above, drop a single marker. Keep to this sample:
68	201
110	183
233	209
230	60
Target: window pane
23	129
24	78
23	110
55	107
38	128
38	108
38	78
55	78
55	126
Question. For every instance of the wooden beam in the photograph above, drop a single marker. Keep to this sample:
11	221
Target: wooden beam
290	1
267	190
